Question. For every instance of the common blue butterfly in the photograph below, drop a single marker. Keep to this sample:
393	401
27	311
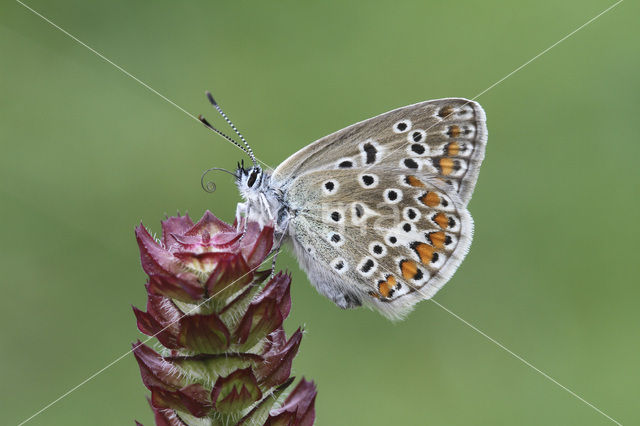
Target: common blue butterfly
376	212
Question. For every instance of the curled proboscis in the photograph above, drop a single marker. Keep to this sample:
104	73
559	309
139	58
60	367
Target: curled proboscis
210	185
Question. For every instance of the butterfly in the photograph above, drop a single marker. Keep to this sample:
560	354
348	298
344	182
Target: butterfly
376	213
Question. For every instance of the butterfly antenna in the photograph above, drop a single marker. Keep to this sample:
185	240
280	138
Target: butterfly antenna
249	151
210	127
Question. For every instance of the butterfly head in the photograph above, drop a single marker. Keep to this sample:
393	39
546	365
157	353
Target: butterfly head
253	183
264	203
249	178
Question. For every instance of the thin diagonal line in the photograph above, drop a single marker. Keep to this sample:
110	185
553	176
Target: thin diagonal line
514	71
518	357
441	306
110	61
547	49
97	373
355	247
124	71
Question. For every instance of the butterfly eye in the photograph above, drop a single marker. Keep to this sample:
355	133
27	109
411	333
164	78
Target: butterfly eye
252	178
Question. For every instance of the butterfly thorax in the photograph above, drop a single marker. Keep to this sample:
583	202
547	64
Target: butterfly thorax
263	203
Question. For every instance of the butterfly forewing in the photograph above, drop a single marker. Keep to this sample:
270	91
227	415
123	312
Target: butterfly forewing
443	138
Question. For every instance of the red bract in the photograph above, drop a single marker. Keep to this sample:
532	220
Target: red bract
225	358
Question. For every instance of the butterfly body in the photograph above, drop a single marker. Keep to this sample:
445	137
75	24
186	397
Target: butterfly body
377	212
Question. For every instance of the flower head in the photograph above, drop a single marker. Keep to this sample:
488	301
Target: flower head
224	356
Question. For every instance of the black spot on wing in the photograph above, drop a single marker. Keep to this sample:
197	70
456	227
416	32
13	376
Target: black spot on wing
370	152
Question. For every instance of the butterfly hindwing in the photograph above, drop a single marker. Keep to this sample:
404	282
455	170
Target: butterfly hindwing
378	237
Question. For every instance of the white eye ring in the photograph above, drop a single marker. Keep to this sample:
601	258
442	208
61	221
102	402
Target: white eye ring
382	249
408	212
330	186
392	195
392	240
402	126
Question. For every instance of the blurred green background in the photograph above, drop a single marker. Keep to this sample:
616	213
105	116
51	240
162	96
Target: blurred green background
88	153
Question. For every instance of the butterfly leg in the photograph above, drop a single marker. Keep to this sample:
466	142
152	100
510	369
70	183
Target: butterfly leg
277	249
242	217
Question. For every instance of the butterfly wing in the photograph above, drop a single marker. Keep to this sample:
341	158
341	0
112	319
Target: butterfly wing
379	238
445	138
378	209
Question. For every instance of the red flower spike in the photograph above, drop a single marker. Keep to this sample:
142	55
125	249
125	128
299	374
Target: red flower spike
298	409
235	392
225	355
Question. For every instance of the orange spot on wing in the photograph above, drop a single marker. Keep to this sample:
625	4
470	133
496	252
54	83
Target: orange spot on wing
454	131
409	269
385	287
453	149
425	251
414	181
437	239
445	111
430	199
446	165
441	220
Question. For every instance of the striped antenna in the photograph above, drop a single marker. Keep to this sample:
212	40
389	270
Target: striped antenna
249	151
210	127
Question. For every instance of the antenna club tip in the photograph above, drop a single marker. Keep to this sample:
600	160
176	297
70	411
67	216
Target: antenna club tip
210	97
